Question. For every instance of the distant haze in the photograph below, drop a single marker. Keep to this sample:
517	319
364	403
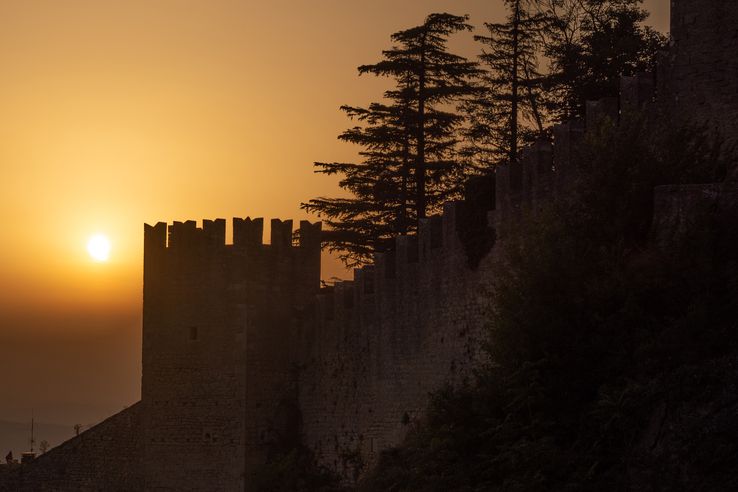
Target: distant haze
120	113
15	436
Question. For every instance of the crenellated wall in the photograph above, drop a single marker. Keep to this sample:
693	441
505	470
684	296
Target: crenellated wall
414	320
546	168
401	329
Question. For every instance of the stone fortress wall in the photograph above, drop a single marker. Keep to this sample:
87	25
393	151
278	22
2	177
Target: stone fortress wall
415	320
243	352
404	327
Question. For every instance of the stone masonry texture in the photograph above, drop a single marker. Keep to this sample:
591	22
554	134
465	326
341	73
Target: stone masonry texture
701	72
105	457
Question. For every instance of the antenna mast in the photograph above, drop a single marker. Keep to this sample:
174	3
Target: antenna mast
33	441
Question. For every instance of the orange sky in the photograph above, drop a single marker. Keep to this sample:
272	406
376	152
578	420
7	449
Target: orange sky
120	112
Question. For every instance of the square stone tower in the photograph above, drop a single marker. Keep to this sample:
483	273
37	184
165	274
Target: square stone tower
701	77
219	324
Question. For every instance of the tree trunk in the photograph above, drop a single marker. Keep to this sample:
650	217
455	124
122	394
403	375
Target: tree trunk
420	199
514	109
533	102
402	229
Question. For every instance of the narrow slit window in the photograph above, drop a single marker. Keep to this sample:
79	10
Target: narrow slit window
193	333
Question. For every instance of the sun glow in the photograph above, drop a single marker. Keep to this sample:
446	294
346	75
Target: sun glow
99	247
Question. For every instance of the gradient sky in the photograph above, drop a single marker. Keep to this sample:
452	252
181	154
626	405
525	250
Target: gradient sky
120	112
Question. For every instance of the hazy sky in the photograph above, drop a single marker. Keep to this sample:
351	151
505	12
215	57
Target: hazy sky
120	112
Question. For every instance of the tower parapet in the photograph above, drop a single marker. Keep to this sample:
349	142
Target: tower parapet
247	233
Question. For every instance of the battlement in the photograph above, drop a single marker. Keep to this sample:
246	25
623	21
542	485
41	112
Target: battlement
546	168
396	272
247	235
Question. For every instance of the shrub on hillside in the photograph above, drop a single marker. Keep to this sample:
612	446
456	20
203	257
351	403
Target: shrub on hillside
603	348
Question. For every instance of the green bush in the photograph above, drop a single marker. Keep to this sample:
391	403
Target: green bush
599	341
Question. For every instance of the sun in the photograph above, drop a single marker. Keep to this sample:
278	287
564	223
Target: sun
99	247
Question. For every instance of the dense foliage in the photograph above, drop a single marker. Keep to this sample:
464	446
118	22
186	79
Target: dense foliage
293	469
613	359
